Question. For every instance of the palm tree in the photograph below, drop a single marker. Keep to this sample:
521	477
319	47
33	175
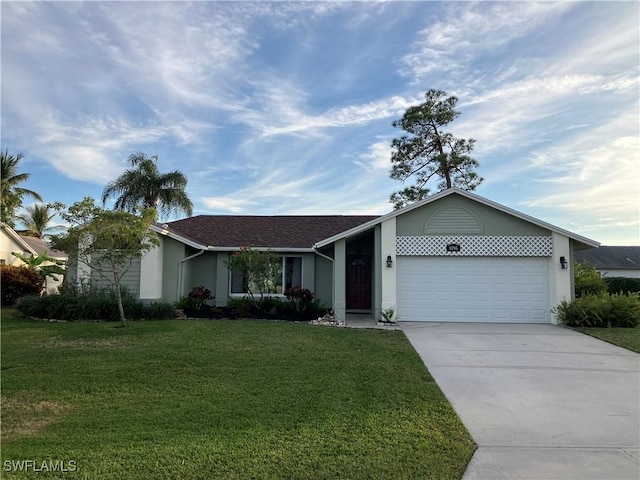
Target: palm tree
37	217
143	186
12	195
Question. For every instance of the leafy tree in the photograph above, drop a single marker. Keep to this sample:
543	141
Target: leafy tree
38	216
259	269
587	280
52	268
428	151
143	186
12	195
108	241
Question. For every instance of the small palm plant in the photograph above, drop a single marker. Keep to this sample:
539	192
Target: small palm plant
389	315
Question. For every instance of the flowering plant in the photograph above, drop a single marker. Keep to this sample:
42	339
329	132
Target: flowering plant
199	296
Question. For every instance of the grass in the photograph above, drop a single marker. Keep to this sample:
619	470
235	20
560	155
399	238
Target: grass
628	338
223	399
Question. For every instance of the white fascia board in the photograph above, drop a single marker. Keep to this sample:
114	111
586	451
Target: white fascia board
210	248
263	249
167	233
472	196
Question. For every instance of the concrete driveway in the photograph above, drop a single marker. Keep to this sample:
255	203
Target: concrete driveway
540	401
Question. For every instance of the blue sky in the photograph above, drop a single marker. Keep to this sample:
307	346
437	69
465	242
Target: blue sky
286	108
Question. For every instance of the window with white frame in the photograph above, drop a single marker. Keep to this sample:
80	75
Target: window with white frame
291	276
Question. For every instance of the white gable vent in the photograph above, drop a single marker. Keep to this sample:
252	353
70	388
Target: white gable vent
453	221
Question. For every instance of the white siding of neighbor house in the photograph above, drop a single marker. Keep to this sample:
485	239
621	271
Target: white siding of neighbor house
8	245
611	272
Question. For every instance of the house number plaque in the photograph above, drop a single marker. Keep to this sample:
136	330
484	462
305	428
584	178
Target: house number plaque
453	247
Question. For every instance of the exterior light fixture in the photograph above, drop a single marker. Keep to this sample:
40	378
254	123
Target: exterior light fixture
389	261
563	263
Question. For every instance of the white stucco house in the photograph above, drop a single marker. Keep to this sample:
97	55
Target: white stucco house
11	241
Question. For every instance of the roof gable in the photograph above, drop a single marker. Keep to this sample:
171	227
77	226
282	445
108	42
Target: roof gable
19	240
583	242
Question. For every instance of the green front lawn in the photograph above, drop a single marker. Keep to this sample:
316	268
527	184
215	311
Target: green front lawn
222	399
628	338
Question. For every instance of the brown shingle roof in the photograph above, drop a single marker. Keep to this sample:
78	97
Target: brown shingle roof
621	258
40	246
287	231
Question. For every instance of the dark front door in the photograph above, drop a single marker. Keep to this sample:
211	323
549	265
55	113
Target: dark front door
359	282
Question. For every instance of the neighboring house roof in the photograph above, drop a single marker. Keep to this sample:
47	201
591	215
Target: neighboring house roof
231	232
582	242
614	258
39	245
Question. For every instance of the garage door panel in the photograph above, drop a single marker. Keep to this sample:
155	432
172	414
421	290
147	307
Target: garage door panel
467	289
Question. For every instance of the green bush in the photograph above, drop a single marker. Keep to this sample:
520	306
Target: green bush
241	306
274	308
18	282
602	310
92	306
160	311
588	280
269	307
622	284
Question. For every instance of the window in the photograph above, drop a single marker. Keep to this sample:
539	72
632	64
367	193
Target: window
291	276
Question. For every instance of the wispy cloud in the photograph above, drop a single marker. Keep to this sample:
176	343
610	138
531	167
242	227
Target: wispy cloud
465	30
344	116
286	107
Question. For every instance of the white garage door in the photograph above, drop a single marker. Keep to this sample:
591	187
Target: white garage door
473	289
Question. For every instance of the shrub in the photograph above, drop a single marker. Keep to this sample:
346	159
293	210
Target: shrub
196	299
242	307
299	298
268	307
588	280
602	310
18	282
92	306
160	311
274	308
622	284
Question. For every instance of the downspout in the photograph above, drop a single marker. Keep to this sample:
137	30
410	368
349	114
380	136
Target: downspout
180	276
333	265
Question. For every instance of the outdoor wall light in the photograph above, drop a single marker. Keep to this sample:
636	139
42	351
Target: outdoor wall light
389	261
563	263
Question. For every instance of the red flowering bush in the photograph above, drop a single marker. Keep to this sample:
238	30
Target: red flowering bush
300	299
19	282
196	299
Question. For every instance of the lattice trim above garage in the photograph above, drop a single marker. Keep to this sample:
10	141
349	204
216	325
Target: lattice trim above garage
474	246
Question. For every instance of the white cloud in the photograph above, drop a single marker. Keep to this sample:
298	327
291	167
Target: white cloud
464	30
377	157
227	204
344	116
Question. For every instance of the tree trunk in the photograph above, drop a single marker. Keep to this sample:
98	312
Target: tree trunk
447	176
120	306
443	156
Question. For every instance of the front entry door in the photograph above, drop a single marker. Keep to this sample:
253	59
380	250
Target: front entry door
359	282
